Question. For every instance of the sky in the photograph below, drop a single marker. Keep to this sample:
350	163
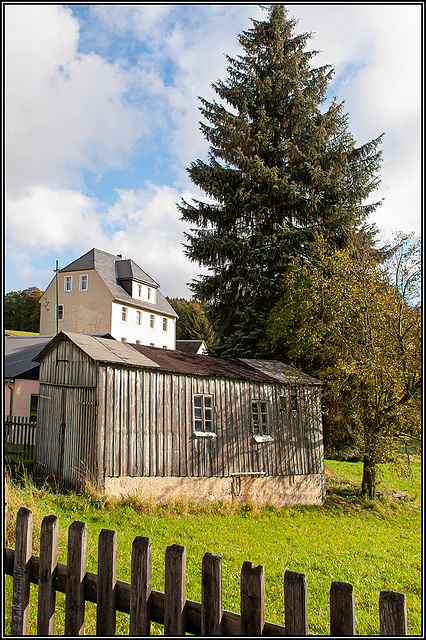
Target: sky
101	105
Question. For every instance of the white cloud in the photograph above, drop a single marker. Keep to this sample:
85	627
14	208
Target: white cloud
65	112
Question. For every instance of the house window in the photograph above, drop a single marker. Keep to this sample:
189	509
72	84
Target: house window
260	418
124	314
60	312
68	283
152	321
149	293
138	317
164	324
294	403
203	413
33	406
140	291
83	283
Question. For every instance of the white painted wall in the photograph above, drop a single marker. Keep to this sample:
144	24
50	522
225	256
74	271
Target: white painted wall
144	333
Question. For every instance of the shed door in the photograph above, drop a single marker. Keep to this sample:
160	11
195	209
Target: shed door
77	425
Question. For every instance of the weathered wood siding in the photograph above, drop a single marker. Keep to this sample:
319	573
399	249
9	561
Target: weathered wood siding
66	443
145	426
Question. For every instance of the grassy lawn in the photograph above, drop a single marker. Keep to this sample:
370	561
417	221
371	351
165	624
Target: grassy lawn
374	546
12	332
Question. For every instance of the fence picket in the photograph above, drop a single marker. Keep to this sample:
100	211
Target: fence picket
140	587
47	576
175	591
21	572
178	615
392	614
107	581
211	595
74	599
296	604
342	609
252	599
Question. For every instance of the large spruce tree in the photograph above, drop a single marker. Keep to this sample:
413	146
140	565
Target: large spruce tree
282	169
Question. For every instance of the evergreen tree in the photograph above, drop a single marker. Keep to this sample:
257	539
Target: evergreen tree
281	169
193	323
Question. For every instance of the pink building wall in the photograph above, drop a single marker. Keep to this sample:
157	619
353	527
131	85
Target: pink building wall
21	396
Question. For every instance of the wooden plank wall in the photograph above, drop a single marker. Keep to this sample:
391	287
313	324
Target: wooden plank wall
66	444
145	426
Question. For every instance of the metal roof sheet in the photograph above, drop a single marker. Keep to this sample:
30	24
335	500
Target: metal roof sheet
101	350
19	352
282	372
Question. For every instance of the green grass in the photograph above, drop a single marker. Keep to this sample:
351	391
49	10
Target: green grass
12	332
373	545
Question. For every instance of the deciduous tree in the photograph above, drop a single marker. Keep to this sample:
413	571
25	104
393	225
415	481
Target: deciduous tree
355	323
22	310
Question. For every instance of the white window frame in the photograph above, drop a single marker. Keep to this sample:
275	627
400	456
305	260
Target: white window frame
165	325
152	321
260	420
138	318
124	312
61	308
203	415
67	279
84	278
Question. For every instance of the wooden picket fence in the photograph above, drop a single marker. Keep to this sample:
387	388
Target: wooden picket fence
171	608
19	439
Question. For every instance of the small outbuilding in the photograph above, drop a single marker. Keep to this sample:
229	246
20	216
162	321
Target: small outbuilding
166	424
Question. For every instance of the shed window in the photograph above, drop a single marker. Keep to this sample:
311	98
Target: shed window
203	413
294	403
260	418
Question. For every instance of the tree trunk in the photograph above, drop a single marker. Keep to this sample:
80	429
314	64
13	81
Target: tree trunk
368	485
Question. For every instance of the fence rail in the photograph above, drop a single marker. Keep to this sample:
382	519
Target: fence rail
19	439
171	608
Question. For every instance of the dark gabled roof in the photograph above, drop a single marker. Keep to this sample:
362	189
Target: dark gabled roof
129	270
19	352
201	365
112	269
189	346
282	372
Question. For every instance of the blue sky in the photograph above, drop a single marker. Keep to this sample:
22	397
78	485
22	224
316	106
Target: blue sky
101	121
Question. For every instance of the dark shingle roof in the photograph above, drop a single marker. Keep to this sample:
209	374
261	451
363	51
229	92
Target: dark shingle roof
111	269
19	352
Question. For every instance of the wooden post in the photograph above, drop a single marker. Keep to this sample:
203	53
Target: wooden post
252	599
211	595
74	594
107	581
392	613
296	604
22	572
46	576
342	609
175	591
140	587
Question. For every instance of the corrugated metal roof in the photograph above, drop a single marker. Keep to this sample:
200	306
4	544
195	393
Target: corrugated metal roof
282	372
202	365
101	350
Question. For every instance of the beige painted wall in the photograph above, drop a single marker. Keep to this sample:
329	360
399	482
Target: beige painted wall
22	390
277	490
84	311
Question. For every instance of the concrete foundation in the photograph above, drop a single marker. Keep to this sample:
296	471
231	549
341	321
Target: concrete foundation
260	490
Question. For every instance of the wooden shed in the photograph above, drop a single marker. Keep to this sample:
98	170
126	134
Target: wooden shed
167	424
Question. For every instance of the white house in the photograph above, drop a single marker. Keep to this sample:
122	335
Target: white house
104	293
